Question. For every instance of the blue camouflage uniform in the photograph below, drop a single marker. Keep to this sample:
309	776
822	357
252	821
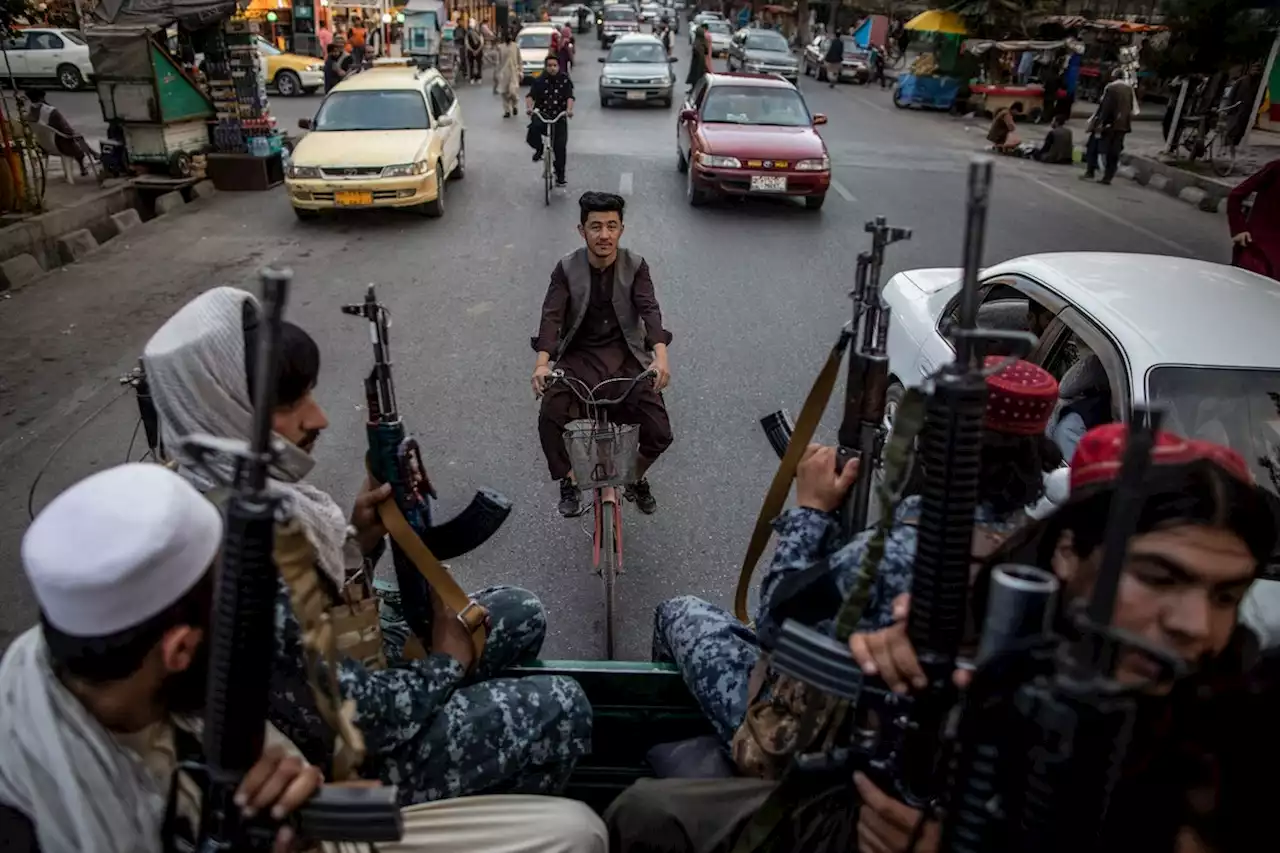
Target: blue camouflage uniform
432	730
716	653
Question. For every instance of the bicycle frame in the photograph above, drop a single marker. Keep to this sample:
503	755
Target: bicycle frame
548	151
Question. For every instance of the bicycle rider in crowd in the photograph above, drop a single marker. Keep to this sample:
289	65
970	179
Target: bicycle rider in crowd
551	94
601	320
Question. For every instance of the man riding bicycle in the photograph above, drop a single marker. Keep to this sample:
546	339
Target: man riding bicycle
601	320
551	94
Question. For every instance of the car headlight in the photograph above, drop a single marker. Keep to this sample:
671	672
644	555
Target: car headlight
315	66
718	162
303	171
755	66
819	164
611	81
406	170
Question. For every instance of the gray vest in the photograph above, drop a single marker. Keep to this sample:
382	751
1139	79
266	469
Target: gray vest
578	271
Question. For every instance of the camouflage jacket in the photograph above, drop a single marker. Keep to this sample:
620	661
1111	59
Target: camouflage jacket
806	536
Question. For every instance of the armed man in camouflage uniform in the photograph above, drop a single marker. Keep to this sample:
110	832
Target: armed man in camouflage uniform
439	727
716	653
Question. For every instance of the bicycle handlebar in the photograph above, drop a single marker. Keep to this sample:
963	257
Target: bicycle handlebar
590	398
545	120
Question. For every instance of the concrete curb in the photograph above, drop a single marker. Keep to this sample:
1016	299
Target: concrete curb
1199	191
77	245
125	220
19	270
169	202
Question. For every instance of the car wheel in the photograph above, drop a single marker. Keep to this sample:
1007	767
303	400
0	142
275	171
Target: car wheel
460	168
70	78
288	84
892	400
897	99
667	102
604	102
306	215
815	202
695	196
180	165
435	209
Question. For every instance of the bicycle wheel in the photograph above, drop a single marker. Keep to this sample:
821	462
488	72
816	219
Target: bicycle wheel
609	526
1222	156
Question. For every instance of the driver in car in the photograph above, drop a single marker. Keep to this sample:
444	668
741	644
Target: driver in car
601	320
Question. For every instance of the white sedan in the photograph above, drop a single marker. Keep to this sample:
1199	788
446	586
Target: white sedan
1194	338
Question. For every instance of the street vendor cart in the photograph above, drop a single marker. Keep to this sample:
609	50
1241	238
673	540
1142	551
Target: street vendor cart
1003	90
144	91
930	82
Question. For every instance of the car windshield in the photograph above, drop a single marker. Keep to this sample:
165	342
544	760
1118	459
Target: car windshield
404	110
756	105
614	13
267	48
637	53
767	40
718	26
534	40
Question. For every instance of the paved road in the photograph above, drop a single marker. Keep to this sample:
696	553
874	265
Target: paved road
754	293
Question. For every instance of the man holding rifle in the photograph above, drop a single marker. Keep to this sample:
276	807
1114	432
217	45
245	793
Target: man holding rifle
439	727
716	653
97	703
1205	532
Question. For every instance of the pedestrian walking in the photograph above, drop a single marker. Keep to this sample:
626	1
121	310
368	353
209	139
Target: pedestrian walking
1109	125
700	59
509	75
834	59
877	65
475	52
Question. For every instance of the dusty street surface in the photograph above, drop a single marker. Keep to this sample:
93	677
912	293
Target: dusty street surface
754	294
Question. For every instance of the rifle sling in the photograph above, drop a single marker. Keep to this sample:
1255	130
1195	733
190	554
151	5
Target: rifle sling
810	414
473	616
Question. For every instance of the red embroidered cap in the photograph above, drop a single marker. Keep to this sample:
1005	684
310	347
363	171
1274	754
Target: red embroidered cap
1021	397
1100	452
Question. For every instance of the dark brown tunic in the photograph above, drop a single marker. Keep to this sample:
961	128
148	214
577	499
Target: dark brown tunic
598	352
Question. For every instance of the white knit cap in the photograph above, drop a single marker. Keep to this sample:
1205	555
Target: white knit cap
119	547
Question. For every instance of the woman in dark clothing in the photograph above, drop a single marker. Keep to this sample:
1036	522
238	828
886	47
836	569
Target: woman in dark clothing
1256	237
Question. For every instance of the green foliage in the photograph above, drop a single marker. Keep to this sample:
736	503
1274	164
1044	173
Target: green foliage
1213	35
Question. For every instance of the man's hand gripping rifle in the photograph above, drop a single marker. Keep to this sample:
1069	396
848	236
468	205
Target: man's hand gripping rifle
243	649
393	458
900	750
861	433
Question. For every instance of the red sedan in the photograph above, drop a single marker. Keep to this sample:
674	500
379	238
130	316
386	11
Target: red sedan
751	134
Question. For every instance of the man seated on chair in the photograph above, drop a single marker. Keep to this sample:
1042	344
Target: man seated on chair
69	143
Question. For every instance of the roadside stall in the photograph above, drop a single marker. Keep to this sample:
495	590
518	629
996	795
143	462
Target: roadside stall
933	80
423	32
1000	87
1103	41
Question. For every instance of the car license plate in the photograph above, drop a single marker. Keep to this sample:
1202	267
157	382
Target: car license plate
768	183
353	197
635	96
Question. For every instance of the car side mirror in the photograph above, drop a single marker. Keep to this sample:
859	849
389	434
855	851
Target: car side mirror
688	115
819	118
600	59
444	121
304	123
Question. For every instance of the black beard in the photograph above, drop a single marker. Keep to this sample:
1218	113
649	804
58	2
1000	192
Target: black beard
185	692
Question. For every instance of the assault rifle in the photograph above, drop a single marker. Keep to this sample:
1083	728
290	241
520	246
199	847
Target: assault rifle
1052	797
242	650
393	458
861	433
896	738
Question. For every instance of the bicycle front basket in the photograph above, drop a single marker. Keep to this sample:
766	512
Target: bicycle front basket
602	454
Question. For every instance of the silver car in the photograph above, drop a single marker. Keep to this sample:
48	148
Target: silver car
763	52
637	68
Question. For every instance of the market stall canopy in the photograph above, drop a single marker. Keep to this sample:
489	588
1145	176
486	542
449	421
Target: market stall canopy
980	46
161	13
1076	22
938	21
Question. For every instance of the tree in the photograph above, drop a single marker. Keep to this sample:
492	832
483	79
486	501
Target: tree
1212	35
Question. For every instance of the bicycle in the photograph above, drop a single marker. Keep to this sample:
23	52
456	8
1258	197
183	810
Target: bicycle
604	456
547	153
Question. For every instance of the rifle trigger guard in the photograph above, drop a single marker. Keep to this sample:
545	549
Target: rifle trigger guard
473	617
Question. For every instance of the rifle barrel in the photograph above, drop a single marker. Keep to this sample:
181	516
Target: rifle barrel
975	233
275	284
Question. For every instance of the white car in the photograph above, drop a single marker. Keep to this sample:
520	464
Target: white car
1194	338
721	36
49	54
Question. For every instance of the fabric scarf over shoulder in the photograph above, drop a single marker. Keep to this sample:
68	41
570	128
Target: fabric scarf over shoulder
58	766
196	368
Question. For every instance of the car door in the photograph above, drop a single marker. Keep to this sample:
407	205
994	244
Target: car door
16	55
45	52
687	127
1071	338
444	119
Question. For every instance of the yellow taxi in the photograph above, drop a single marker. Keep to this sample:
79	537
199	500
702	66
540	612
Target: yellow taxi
534	41
386	137
291	74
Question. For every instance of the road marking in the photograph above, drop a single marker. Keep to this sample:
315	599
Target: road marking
841	191
1178	248
480	308
871	104
624	185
